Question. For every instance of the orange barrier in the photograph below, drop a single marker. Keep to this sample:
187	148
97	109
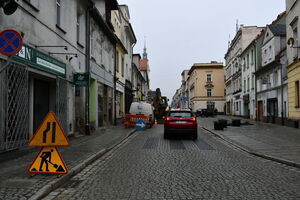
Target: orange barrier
130	120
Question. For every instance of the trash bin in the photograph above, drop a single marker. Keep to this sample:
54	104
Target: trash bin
218	126
223	122
236	122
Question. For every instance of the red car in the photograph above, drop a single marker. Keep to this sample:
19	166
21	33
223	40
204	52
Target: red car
180	122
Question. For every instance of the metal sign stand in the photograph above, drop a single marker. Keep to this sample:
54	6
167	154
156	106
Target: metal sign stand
8	62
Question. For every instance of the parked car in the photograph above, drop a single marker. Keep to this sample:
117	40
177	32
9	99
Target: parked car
205	113
181	122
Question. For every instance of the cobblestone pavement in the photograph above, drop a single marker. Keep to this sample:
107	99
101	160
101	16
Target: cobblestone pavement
16	183
272	140
146	166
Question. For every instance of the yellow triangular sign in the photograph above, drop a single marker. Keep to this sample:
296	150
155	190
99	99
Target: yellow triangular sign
49	133
48	161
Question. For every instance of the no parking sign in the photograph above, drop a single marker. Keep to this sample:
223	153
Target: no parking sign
10	42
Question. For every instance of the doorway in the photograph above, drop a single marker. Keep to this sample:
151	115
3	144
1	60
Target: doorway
260	110
40	102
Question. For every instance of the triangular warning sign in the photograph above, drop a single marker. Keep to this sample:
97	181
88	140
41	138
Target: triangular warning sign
49	133
48	161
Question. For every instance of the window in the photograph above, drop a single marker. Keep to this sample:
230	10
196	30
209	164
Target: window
117	61
244	85
208	92
252	57
248	84
122	66
247	61
58	12
275	78
78	27
297	98
252	83
208	77
295	36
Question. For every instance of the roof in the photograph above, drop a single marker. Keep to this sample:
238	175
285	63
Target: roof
144	64
205	66
277	29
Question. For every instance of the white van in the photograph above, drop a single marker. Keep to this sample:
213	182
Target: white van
142	108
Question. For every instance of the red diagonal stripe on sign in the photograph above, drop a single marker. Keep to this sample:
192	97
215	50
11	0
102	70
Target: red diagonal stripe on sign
8	42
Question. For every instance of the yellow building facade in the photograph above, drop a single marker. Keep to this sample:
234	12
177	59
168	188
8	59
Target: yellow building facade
294	90
207	86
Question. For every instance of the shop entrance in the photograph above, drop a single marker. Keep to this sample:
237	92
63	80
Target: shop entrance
40	102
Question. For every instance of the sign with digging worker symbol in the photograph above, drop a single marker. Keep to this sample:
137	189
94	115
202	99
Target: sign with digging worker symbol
48	161
49	135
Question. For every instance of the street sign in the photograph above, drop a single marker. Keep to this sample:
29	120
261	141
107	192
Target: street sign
10	42
48	161
80	79
140	125
49	133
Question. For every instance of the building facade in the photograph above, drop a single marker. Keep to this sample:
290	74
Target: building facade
40	78
206	86
272	75
233	68
293	59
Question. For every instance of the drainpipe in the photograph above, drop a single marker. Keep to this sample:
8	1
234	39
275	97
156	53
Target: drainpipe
87	64
281	72
115	86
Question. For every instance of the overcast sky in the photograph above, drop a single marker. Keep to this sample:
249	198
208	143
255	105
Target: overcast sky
180	33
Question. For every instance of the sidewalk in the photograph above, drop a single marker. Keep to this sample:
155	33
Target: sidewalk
271	141
16	182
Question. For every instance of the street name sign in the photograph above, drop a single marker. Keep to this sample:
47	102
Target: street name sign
140	125
48	161
10	42
50	133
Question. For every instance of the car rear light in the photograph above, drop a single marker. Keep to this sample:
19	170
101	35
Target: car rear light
193	118
168	118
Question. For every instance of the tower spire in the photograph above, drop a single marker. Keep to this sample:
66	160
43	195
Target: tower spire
145	55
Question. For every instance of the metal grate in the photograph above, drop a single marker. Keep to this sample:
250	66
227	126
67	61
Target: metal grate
14	107
176	144
62	103
151	143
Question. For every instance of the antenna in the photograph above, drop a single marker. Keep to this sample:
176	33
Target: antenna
237	25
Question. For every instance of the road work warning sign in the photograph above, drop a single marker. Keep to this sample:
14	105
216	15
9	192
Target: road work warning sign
48	161
49	133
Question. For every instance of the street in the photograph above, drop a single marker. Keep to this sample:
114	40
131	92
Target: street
146	166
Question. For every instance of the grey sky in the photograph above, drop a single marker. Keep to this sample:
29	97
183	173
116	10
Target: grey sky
180	33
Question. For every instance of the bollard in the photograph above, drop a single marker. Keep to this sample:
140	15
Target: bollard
236	122
218	126
223	122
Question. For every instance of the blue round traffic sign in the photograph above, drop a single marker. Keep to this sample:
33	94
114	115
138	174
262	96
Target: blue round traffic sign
10	42
140	125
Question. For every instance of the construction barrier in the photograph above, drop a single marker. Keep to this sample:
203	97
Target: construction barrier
130	120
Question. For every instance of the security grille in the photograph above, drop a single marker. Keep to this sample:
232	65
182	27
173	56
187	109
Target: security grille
14	107
62	103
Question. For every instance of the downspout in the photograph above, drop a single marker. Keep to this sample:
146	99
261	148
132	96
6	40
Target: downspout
115	86
255	85
87	64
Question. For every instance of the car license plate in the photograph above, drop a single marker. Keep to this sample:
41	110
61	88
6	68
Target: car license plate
180	122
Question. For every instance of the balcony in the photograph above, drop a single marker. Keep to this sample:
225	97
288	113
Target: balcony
209	84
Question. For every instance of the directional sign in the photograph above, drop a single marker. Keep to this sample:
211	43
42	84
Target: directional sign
49	133
140	125
48	161
10	42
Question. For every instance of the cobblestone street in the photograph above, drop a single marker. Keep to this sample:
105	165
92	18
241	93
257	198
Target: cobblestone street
146	166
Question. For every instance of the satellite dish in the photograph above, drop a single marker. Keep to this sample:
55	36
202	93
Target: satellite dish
10	7
291	42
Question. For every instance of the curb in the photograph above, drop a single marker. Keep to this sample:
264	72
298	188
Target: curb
75	170
255	153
